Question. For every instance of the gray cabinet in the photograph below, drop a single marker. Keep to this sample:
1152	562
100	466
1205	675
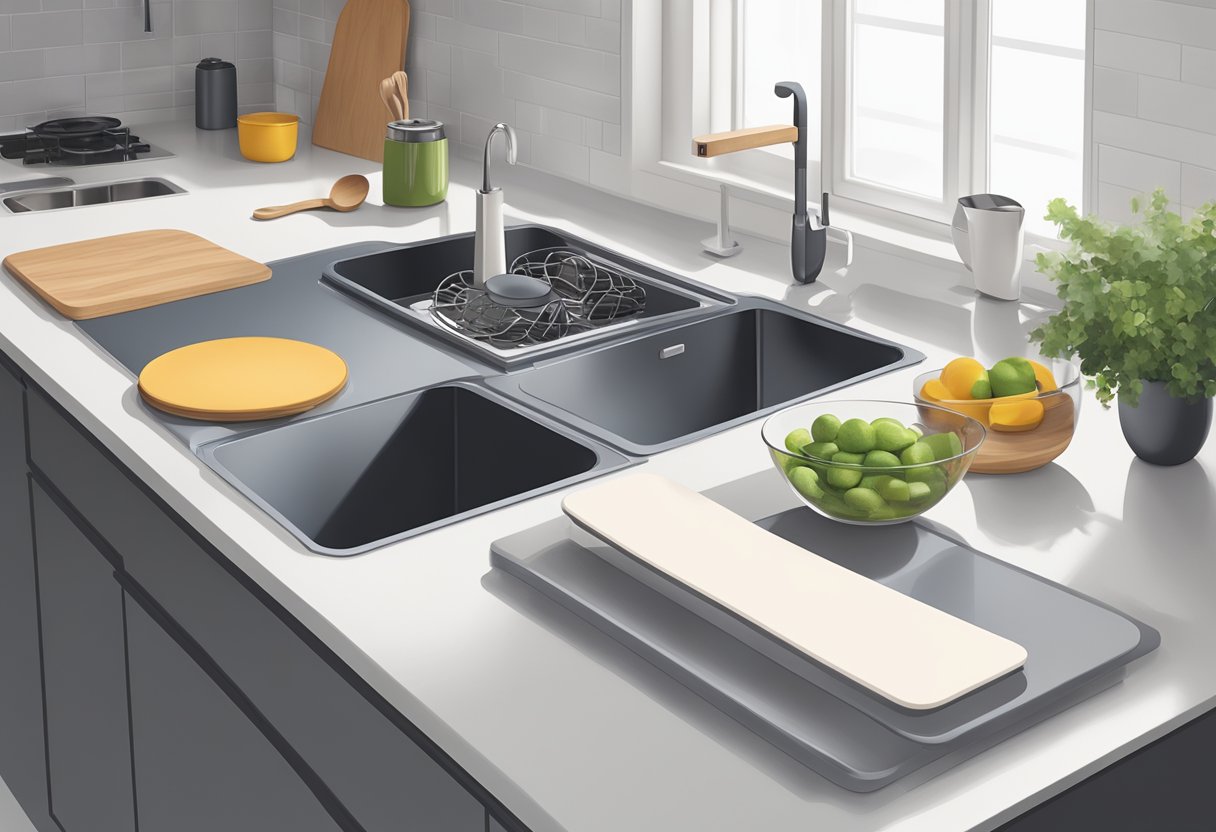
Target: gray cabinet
22	752
200	764
84	676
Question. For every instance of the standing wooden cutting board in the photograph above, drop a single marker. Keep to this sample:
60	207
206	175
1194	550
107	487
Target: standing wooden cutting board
369	46
103	276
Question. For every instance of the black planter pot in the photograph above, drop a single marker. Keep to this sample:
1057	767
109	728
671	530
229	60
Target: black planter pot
1164	430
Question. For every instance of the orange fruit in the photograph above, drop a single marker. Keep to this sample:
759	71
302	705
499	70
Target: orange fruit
960	374
1015	416
1042	375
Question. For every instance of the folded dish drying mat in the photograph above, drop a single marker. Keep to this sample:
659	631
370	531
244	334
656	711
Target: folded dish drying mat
895	646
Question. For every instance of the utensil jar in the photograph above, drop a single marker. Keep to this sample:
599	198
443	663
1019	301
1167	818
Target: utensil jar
415	163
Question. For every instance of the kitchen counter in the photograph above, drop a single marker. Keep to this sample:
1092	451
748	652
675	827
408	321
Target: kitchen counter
568	729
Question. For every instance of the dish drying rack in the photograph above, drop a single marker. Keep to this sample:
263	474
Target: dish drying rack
583	295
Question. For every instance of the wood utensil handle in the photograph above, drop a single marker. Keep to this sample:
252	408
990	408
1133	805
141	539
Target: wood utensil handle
403	84
388	94
716	144
273	212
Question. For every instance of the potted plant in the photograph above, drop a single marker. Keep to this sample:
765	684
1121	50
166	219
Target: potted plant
1139	312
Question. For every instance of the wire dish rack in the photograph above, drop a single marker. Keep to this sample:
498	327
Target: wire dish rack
581	295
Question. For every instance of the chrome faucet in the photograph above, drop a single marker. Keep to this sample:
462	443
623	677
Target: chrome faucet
808	245
489	243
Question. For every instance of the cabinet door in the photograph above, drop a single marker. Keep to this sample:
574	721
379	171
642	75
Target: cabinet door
84	661
200	764
22	751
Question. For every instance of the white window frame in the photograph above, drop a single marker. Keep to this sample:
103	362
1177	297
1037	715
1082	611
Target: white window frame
663	171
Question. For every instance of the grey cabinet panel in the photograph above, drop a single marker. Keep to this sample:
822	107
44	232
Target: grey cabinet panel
200	765
84	660
382	776
22	751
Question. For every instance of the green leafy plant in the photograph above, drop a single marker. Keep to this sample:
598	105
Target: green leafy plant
1136	300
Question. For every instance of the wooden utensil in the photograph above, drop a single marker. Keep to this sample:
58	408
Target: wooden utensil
715	144
239	379
402	81
347	194
369	44
892	644
388	94
107	275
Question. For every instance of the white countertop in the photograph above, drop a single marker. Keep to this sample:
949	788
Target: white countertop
569	730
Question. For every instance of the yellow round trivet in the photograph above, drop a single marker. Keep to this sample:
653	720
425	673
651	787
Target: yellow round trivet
237	379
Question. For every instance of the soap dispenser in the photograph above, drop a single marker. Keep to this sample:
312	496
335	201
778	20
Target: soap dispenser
490	245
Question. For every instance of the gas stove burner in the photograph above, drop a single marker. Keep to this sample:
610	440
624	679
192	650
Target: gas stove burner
566	293
75	126
86	145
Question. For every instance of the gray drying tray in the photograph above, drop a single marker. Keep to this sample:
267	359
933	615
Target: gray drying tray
834	727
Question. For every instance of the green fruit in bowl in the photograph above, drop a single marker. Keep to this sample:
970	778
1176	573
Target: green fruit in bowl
825	428
880	459
864	500
890	435
796	439
806	481
944	445
843	478
856	436
1012	377
821	450
918	453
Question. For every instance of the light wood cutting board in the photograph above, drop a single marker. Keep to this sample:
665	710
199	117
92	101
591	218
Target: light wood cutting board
107	275
892	644
369	46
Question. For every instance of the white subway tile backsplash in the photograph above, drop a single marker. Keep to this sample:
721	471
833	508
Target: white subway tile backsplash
255	44
42	94
1116	91
1158	19
137	54
82	60
20	6
1165	140
18	66
1154	99
551	68
1136	54
1139	171
1198	186
253	14
1199	65
34	31
5	31
604	34
1173	102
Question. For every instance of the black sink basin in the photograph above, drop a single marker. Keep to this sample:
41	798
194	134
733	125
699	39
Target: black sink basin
397	281
355	479
657	391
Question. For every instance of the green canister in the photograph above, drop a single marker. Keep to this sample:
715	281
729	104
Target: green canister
415	163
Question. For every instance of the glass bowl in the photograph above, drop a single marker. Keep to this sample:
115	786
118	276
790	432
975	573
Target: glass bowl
873	494
1028	446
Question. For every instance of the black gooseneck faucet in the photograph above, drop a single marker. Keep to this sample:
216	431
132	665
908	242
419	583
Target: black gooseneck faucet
808	246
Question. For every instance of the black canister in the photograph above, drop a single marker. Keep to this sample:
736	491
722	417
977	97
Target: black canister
214	94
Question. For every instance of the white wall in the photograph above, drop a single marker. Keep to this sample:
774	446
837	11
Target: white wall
550	68
68	57
1154	100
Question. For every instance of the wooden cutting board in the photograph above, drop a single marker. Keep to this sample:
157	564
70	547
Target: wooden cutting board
896	646
106	275
369	46
239	379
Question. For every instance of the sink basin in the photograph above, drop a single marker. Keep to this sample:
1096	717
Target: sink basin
352	480
401	281
654	392
53	200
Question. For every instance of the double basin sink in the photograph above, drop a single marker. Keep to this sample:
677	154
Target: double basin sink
354	479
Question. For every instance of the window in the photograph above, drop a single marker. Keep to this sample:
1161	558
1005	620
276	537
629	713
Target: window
914	103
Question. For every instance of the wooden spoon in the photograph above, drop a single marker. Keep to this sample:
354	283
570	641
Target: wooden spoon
347	194
388	94
403	84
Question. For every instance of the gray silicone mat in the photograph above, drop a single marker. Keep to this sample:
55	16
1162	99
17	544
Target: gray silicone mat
853	738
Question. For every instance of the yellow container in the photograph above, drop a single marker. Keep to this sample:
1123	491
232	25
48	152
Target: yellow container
267	137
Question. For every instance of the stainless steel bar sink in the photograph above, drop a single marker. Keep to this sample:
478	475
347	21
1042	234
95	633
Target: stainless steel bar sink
53	200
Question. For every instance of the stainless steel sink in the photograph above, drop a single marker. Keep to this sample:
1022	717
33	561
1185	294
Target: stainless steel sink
652	393
53	200
352	480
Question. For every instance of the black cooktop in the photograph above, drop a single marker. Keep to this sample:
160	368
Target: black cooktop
79	140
